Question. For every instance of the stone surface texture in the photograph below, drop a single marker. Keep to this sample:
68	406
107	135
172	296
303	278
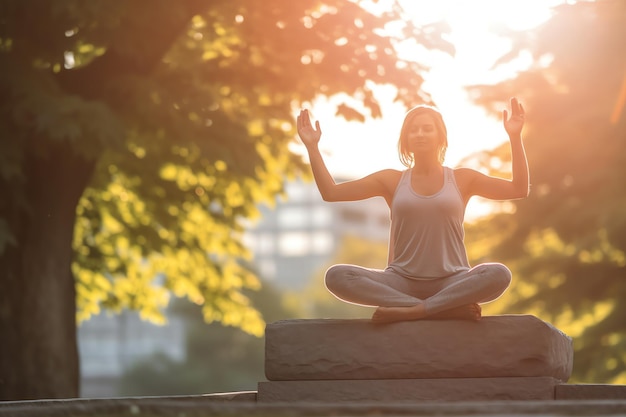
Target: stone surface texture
408	390
494	347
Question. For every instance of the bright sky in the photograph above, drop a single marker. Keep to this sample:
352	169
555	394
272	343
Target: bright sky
357	149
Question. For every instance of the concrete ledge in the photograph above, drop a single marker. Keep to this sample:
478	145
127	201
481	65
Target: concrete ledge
590	392
408	390
237	396
177	405
496	346
199	407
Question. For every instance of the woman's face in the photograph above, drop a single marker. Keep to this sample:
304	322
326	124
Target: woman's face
422	135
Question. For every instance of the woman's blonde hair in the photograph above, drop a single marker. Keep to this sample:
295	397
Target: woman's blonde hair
407	158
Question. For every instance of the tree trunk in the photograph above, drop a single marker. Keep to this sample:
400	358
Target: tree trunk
38	350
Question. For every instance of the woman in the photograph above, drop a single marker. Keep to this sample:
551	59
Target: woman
428	274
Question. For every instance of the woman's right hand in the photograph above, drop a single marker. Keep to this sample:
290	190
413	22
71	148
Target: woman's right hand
309	135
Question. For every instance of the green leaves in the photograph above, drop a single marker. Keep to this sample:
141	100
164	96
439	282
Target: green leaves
186	110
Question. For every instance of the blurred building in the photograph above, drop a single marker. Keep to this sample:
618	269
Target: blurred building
304	232
290	243
109	344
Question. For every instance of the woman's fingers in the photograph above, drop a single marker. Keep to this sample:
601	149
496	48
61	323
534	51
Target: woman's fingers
303	120
514	107
306	131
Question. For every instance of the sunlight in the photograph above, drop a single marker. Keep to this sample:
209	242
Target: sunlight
357	149
473	25
481	15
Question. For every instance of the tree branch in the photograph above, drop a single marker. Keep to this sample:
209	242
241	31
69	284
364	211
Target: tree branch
138	48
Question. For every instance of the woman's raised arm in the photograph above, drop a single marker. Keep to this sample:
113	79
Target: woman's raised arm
381	183
500	188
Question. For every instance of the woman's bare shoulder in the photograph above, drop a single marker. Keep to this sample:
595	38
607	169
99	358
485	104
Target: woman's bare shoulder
464	170
389	179
389	173
464	177
388	176
463	173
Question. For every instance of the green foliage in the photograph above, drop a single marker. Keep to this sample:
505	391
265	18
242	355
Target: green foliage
566	242
184	110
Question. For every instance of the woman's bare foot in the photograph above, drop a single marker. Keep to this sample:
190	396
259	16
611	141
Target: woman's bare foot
417	312
394	314
466	312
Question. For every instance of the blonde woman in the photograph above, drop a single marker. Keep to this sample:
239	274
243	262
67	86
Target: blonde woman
428	274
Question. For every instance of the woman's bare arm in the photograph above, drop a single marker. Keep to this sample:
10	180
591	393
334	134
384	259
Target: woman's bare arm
475	183
381	183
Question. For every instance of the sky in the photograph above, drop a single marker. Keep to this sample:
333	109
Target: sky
356	149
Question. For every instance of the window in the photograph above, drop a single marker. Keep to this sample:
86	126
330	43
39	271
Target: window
292	217
296	191
322	242
265	244
294	244
321	216
267	268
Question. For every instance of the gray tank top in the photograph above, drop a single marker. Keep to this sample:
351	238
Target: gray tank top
427	231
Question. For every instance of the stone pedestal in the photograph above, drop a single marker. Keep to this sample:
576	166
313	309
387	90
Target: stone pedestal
497	346
498	357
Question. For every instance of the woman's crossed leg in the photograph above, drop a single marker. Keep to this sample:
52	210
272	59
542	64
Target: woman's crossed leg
398	298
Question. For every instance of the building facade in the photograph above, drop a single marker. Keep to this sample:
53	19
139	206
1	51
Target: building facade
304	232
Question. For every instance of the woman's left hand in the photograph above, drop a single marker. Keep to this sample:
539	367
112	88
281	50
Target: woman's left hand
513	125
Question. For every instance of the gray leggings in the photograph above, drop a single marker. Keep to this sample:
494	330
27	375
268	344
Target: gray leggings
375	287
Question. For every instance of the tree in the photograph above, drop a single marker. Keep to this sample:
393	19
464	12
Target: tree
136	139
567	241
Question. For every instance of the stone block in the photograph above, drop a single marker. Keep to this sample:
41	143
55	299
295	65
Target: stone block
408	390
496	346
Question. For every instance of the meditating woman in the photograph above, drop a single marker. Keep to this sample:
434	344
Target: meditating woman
428	274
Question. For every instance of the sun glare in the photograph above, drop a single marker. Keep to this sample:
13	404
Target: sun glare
478	15
474	25
356	149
